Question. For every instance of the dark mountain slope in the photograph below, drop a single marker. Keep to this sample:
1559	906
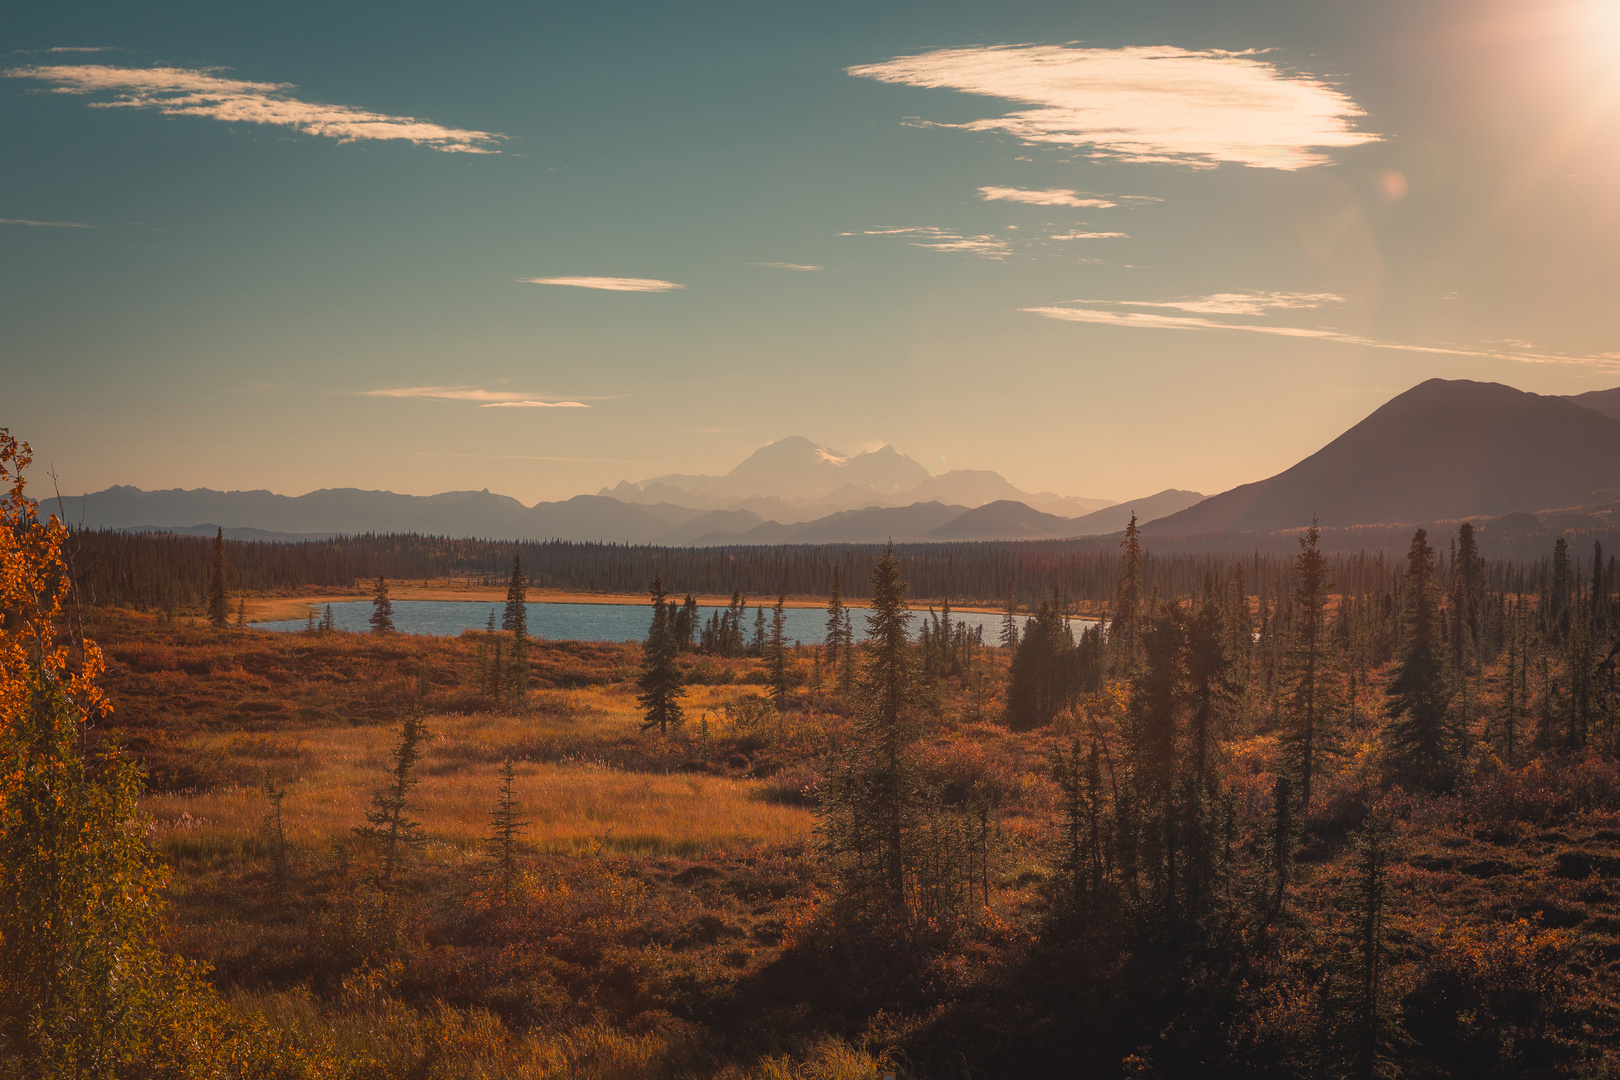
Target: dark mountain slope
1606	402
1444	449
1003	520
1113	519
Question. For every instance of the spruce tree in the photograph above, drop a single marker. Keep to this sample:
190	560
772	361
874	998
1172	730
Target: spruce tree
241	613
1420	735
382	609
1600	592
506	823
777	654
515	619
873	811
1373	1026
219	612
835	621
1307	736
660	680
389	825
1562	583
1009	623
1125	628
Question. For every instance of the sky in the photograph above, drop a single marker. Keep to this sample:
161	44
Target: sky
539	248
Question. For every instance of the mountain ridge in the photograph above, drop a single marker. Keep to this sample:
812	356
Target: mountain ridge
1442	450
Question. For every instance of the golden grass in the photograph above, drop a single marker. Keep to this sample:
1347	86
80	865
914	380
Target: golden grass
572	805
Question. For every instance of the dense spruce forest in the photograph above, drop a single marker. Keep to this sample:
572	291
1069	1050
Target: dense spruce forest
161	571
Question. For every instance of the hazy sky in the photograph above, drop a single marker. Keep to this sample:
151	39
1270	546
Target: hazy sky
1101	248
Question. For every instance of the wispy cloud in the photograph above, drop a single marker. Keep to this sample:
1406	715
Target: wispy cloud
1237	303
1057	197
185	92
535	405
80	49
448	393
1150	321
49	224
1077	234
784	266
937	239
1144	103
610	284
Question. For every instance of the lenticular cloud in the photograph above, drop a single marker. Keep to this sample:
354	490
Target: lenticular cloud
1145	104
182	92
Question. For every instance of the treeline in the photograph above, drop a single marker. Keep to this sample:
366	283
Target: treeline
159	571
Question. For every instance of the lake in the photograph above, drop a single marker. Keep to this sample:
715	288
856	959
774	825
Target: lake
592	622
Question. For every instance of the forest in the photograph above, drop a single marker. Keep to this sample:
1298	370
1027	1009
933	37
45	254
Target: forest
1302	813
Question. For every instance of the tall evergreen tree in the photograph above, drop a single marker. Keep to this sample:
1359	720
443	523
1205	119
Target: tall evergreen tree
1009	623
776	653
219	612
1420	735
1125	628
1600	592
873	813
389	824
660	680
1373	1025
382	609
1562	584
835	621
515	619
1307	736
1465	591
1041	677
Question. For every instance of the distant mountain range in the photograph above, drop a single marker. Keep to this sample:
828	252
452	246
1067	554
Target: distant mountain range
792	491
1443	450
795	480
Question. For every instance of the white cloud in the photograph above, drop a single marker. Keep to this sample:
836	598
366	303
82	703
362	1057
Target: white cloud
447	393
82	49
535	405
1149	321
611	284
937	239
1239	303
48	224
1048	197
183	92
1144	103
1076	234
784	266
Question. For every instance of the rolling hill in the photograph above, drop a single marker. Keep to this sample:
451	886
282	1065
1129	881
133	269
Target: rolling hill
1442	450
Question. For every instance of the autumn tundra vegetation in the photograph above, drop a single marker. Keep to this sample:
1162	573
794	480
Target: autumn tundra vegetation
1315	815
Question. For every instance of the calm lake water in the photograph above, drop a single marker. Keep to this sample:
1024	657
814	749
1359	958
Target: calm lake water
590	622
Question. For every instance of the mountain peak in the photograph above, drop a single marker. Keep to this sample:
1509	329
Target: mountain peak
1445	449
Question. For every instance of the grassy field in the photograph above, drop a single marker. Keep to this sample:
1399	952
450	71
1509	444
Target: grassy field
330	772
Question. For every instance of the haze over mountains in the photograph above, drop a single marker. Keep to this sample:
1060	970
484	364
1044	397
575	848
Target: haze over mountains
795	480
792	491
1441	451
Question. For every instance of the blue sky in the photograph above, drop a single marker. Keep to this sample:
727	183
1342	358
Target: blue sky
1101	248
